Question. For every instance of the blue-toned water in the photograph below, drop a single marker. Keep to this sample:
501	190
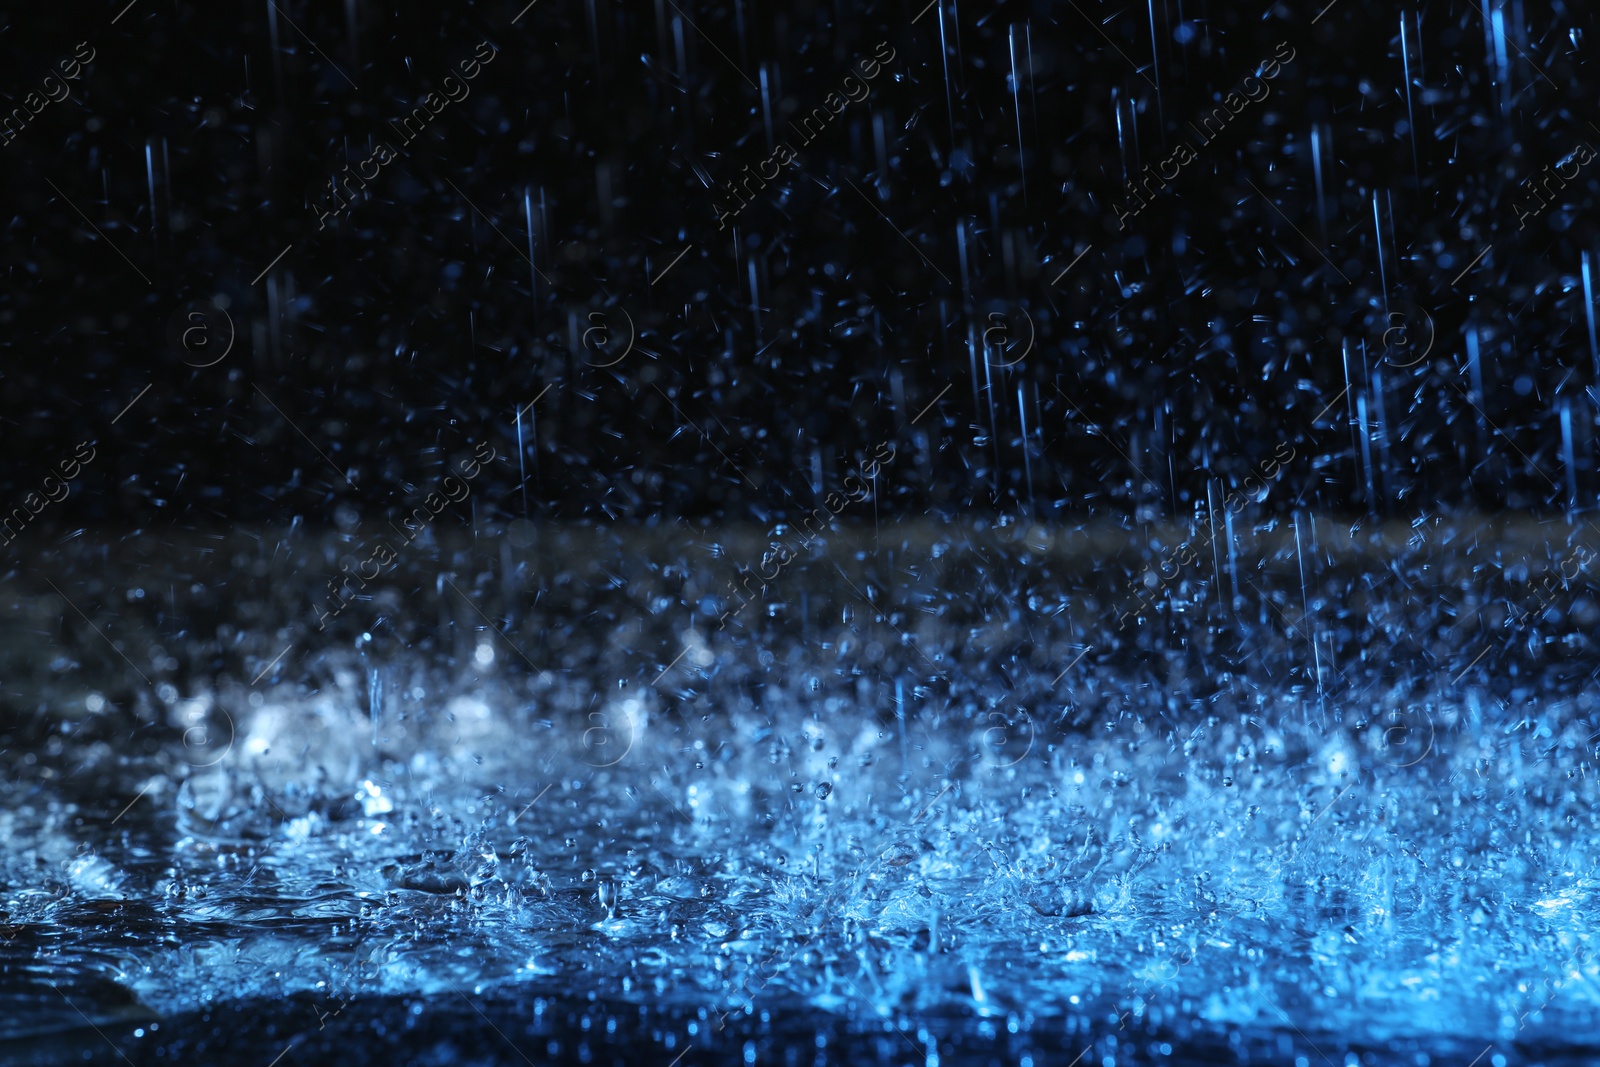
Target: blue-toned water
885	821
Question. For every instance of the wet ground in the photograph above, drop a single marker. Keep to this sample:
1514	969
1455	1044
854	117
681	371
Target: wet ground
925	799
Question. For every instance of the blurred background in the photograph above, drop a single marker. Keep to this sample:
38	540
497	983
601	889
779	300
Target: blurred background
1361	265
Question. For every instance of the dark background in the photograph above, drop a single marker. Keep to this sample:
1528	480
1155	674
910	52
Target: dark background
769	363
